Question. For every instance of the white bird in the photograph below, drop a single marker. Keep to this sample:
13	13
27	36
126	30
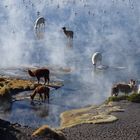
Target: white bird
40	27
40	21
96	58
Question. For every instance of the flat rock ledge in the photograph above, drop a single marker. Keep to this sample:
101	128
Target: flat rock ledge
12	86
92	114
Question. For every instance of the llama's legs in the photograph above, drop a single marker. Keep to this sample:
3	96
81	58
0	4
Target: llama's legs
45	94
31	97
48	97
44	26
48	80
45	80
48	100
38	79
41	97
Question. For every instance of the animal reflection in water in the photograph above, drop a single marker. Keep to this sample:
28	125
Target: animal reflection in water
40	27
42	110
97	61
5	106
122	87
38	73
69	35
41	90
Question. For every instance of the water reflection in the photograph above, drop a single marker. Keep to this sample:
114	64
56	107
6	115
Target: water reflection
40	109
82	86
5	106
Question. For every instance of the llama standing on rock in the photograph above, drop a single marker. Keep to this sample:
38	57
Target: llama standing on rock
40	73
41	90
69	35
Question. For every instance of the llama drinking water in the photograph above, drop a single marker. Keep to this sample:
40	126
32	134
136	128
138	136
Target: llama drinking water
41	90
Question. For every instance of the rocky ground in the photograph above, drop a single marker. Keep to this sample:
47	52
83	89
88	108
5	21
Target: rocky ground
14	131
77	125
126	128
10	131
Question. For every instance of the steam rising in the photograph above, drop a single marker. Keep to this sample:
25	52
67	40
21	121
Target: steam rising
111	27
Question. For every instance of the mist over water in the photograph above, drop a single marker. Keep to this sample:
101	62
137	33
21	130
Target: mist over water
108	26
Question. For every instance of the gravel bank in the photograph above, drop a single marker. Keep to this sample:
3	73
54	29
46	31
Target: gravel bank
126	128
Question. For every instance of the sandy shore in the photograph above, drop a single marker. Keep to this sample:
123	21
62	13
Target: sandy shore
126	128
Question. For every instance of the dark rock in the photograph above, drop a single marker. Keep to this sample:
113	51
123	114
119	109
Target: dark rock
10	131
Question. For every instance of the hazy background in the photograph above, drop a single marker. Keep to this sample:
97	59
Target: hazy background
111	27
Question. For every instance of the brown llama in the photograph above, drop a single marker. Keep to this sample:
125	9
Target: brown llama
125	88
41	90
38	73
69	34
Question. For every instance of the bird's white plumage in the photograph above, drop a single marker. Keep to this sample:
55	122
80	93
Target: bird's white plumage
96	58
